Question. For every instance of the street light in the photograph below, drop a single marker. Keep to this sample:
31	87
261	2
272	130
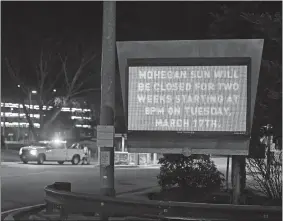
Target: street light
54	90
19	86
34	92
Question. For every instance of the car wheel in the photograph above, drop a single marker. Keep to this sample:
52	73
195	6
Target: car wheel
40	159
76	160
60	162
25	161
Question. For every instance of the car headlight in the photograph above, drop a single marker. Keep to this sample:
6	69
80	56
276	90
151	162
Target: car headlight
21	151
33	152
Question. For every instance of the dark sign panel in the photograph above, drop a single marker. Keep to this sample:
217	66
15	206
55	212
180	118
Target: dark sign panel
192	96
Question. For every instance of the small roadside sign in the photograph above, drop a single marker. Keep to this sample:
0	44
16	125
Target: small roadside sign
105	135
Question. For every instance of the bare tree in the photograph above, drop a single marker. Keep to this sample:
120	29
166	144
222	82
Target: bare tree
260	168
14	73
57	69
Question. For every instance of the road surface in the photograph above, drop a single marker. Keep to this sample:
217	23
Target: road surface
22	184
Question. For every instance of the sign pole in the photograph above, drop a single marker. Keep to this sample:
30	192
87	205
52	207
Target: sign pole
227	173
238	178
105	132
268	157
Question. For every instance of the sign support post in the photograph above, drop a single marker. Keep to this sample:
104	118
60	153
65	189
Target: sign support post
238	177
236	180
105	132
227	172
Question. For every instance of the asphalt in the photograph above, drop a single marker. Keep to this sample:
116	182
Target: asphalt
22	184
9	155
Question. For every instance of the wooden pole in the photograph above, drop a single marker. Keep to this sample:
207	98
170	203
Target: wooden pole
107	113
108	68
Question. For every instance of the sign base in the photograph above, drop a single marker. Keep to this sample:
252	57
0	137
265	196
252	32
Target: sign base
190	146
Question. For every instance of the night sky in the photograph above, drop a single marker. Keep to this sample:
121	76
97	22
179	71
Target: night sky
25	23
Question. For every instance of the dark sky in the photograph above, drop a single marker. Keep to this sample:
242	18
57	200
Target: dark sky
23	23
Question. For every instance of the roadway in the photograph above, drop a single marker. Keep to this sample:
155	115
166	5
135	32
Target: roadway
22	184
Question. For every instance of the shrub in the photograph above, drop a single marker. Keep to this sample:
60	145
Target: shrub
193	172
258	169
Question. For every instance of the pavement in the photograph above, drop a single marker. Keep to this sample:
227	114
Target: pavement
22	184
9	156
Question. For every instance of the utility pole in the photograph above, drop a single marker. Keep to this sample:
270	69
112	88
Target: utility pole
107	113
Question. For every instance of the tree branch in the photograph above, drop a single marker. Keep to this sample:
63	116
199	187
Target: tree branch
14	73
64	69
84	91
73	87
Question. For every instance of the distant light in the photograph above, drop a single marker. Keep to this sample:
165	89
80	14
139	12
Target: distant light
54	90
34	92
19	85
57	141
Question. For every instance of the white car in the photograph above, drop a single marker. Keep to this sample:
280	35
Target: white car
52	152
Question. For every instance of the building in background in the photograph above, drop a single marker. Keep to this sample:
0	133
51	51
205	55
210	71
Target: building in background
71	122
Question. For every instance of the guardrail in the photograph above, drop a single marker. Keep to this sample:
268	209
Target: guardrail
18	214
59	196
